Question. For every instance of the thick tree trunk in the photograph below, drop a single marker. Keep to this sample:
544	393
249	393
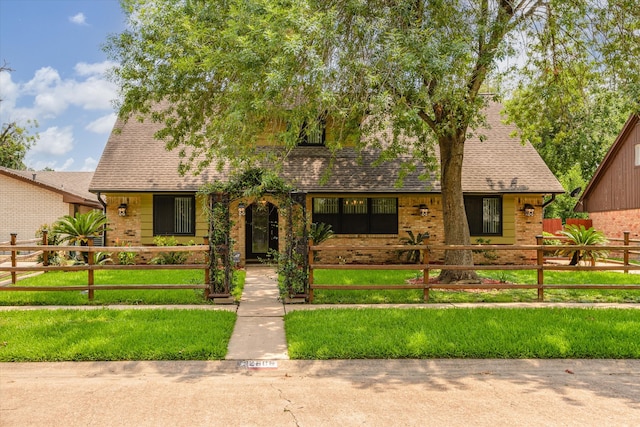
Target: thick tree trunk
456	228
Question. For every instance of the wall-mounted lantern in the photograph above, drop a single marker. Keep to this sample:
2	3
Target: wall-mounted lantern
528	209
241	209
122	209
424	210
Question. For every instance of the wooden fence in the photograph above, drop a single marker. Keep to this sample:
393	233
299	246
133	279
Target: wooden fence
90	267
540	266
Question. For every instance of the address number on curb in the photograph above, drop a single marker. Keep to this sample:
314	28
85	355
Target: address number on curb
258	364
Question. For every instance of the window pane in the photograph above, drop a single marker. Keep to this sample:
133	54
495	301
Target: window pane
491	215
354	205
383	206
325	205
183	215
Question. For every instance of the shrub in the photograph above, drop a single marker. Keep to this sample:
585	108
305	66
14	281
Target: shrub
413	255
169	257
579	235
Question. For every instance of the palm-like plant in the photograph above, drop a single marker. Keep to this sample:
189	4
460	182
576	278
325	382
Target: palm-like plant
413	255
79	228
319	232
579	235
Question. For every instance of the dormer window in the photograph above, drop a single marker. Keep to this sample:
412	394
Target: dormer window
312	134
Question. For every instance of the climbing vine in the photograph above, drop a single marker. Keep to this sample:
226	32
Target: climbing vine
254	184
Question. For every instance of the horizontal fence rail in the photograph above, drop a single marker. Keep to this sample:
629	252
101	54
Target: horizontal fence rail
45	251
540	249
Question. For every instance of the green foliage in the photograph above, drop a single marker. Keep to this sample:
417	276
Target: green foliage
319	232
563	206
125	258
15	141
163	258
415	69
413	255
55	257
489	255
579	235
79	228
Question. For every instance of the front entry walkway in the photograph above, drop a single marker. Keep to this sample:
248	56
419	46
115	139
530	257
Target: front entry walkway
259	330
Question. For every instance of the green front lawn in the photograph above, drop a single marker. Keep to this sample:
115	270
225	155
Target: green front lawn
138	277
363	277
484	333
103	334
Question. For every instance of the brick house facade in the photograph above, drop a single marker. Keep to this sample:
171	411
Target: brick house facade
29	199
504	183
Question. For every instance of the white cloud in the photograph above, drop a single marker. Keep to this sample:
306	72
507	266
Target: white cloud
100	68
66	165
52	96
78	19
102	125
54	141
89	165
9	92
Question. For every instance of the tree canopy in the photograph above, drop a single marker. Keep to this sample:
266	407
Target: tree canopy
218	73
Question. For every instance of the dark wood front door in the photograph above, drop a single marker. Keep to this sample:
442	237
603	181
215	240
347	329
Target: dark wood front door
261	230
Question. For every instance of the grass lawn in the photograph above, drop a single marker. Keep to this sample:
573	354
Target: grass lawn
361	277
463	333
103	334
79	278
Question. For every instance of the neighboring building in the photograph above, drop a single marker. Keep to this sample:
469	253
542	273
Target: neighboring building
612	197
31	199
504	183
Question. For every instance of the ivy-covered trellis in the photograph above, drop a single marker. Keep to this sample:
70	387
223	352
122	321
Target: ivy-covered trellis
253	185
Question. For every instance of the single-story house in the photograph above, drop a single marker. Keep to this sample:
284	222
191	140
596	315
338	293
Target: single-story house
612	197
31	199
504	182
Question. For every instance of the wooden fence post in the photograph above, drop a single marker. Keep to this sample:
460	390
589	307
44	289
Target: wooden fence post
425	271
207	268
91	260
14	263
45	252
626	251
540	251
310	260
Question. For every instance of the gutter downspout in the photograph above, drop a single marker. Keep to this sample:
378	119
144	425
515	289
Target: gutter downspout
551	200
104	210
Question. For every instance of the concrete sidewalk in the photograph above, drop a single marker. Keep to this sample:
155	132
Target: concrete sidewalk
259	330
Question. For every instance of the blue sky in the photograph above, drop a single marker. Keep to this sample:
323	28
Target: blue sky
54	49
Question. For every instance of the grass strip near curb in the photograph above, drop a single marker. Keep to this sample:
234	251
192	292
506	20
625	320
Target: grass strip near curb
103	334
484	333
385	277
105	297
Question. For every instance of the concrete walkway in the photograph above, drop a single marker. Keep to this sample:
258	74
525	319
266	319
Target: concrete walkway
259	330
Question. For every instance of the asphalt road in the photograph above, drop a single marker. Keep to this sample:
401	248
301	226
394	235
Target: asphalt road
322	393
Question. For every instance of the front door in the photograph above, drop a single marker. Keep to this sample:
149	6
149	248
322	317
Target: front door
261	230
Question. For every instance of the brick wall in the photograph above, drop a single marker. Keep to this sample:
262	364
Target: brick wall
518	229
24	208
614	223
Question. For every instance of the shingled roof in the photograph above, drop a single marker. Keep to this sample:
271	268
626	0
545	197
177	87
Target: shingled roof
74	186
133	161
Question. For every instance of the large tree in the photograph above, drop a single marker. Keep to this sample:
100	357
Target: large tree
218	73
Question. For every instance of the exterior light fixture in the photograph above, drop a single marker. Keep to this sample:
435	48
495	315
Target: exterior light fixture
241	209
424	210
122	209
528	209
